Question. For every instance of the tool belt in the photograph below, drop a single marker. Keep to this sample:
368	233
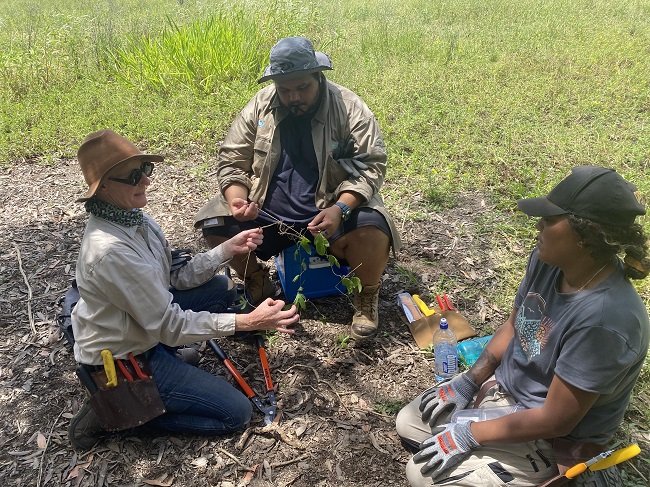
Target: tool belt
568	452
130	402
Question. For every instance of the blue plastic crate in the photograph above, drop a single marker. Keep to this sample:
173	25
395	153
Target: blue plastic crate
318	280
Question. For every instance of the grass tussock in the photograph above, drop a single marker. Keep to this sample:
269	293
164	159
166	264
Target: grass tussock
221	52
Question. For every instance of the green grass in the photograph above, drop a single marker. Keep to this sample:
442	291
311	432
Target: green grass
497	96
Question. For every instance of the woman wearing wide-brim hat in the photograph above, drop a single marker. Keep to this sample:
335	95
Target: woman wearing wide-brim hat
567	357
134	303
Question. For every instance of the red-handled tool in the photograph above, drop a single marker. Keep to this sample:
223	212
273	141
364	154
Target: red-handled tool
444	303
136	367
266	404
124	369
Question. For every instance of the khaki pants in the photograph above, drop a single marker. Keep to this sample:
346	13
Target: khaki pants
521	464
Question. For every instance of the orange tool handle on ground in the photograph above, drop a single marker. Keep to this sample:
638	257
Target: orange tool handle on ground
232	369
265	363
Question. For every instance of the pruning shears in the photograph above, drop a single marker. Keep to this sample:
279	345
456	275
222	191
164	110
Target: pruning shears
267	403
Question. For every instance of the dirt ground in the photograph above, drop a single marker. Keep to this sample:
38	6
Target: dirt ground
338	401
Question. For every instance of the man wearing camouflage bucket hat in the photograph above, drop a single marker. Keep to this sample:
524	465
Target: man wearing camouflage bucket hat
308	153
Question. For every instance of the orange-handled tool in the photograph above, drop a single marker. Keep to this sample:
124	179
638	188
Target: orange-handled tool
266	403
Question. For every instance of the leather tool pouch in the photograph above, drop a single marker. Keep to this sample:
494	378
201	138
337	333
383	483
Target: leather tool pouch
129	404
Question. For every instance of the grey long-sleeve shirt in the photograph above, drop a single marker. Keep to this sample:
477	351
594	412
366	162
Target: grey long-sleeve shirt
123	276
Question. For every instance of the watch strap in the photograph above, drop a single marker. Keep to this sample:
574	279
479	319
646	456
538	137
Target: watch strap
345	210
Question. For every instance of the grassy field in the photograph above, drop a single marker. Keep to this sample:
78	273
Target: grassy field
498	96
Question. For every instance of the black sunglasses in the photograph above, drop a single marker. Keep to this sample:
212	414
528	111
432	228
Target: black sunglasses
136	175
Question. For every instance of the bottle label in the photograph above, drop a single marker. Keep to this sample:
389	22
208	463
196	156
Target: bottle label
445	360
449	366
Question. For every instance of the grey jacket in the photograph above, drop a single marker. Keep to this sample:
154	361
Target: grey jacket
251	151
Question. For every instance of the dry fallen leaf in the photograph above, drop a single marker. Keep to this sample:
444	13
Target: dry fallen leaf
200	462
375	443
300	430
161	481
41	441
248	476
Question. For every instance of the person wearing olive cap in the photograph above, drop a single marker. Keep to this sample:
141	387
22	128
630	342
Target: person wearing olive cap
134	301
568	355
308	153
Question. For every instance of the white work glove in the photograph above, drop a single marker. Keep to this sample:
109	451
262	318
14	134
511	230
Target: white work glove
446	449
447	397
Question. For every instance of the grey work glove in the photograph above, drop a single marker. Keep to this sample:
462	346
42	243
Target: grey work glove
446	449
447	397
353	165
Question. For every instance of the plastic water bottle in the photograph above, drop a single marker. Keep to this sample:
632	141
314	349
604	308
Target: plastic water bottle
445	355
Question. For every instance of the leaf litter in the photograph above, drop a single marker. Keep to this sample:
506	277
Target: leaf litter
338	401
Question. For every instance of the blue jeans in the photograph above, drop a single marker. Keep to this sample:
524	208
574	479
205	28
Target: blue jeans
196	401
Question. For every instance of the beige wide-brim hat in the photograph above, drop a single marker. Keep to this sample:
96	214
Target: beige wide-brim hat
103	150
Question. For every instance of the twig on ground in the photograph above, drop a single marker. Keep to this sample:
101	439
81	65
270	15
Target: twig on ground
289	462
374	413
235	459
29	290
271	429
318	380
47	443
284	371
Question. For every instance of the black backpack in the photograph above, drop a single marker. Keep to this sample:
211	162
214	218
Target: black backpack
67	302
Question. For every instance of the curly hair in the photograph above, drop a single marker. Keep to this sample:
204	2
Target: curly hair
605	241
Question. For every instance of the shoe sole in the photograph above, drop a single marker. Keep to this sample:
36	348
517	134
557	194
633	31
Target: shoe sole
360	338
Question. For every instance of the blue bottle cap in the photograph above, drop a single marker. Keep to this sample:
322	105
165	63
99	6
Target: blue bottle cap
443	323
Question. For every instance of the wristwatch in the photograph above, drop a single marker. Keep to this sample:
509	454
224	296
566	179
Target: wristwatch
345	210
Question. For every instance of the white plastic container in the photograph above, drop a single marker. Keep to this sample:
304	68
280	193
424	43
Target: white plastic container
483	414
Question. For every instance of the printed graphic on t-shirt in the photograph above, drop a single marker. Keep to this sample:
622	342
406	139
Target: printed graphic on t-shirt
532	326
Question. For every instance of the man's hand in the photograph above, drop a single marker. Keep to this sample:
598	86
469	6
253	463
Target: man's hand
447	398
243	242
446	449
243	210
326	222
268	315
353	165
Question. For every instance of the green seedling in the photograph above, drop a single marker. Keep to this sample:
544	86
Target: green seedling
389	406
342	341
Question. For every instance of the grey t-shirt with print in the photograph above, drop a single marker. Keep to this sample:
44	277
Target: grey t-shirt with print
596	340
